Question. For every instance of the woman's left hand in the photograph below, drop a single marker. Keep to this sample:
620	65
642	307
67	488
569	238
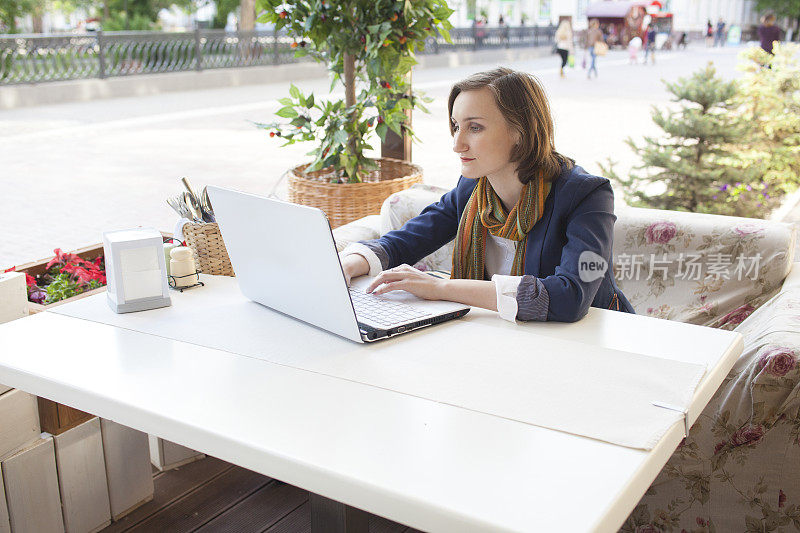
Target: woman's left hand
408	278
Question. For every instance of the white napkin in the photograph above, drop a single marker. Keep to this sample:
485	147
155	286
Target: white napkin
178	231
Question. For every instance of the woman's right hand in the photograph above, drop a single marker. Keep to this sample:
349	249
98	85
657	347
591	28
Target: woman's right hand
354	265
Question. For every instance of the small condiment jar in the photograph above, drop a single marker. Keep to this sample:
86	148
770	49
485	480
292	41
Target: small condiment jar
182	267
168	247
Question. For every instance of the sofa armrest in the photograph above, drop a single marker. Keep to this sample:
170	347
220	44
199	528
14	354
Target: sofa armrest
792	281
763	388
358	230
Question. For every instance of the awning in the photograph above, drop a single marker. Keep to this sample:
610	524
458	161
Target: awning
613	9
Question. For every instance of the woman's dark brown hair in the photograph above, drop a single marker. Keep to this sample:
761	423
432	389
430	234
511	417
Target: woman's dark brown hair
522	101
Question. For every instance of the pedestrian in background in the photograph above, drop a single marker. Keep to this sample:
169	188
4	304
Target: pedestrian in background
768	32
593	37
719	36
634	45
650	44
564	42
594	43
709	33
503	30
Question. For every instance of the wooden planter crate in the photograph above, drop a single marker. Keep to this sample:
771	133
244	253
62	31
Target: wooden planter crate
19	422
56	418
82	478
5	525
31	485
128	469
166	455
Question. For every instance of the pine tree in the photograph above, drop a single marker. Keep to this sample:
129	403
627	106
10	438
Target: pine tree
695	167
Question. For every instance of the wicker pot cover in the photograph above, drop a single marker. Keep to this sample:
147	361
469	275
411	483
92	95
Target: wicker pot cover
345	202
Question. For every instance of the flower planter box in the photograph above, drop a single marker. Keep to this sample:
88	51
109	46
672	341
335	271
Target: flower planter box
38	268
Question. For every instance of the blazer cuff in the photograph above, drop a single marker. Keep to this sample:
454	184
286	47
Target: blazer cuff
533	300
506	289
363	250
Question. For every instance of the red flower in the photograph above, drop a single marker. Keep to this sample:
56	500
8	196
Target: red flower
747	435
738	315
29	280
719	446
777	360
660	232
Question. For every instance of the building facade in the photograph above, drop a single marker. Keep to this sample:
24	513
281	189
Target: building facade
689	15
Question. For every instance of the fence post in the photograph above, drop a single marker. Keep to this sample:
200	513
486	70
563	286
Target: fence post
198	53
101	57
275	59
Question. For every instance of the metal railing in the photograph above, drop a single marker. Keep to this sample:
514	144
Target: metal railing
37	59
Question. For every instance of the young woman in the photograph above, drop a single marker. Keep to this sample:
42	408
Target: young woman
533	232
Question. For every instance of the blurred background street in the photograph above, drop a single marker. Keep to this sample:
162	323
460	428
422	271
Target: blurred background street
71	171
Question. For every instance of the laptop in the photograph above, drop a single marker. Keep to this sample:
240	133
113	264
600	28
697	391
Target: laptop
285	258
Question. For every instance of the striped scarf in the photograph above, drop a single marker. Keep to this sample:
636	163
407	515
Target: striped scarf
484	212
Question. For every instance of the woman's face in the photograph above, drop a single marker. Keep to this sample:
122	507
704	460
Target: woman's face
482	137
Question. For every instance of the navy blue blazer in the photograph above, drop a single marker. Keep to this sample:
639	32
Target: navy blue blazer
578	218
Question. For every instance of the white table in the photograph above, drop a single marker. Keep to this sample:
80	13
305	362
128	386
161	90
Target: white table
272	405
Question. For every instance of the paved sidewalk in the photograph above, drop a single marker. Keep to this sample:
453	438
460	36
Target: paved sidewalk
70	171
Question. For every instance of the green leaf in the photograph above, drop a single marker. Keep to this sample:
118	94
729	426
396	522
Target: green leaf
309	22
381	129
287	112
310	101
340	137
294	91
286	101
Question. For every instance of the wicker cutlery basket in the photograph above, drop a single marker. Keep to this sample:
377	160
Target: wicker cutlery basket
209	251
345	202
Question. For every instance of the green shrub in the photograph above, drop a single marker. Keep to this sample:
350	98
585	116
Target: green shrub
731	148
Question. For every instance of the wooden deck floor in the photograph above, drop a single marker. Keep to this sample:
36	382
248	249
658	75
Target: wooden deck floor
211	495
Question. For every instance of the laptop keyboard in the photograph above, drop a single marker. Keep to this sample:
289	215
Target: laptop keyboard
382	312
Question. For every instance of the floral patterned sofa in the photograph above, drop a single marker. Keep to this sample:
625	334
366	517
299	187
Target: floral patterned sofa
739	468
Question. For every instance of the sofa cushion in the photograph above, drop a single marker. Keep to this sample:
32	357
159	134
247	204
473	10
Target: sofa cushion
702	269
362	229
405	205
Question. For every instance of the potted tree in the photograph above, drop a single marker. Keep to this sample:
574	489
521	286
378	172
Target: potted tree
369	47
